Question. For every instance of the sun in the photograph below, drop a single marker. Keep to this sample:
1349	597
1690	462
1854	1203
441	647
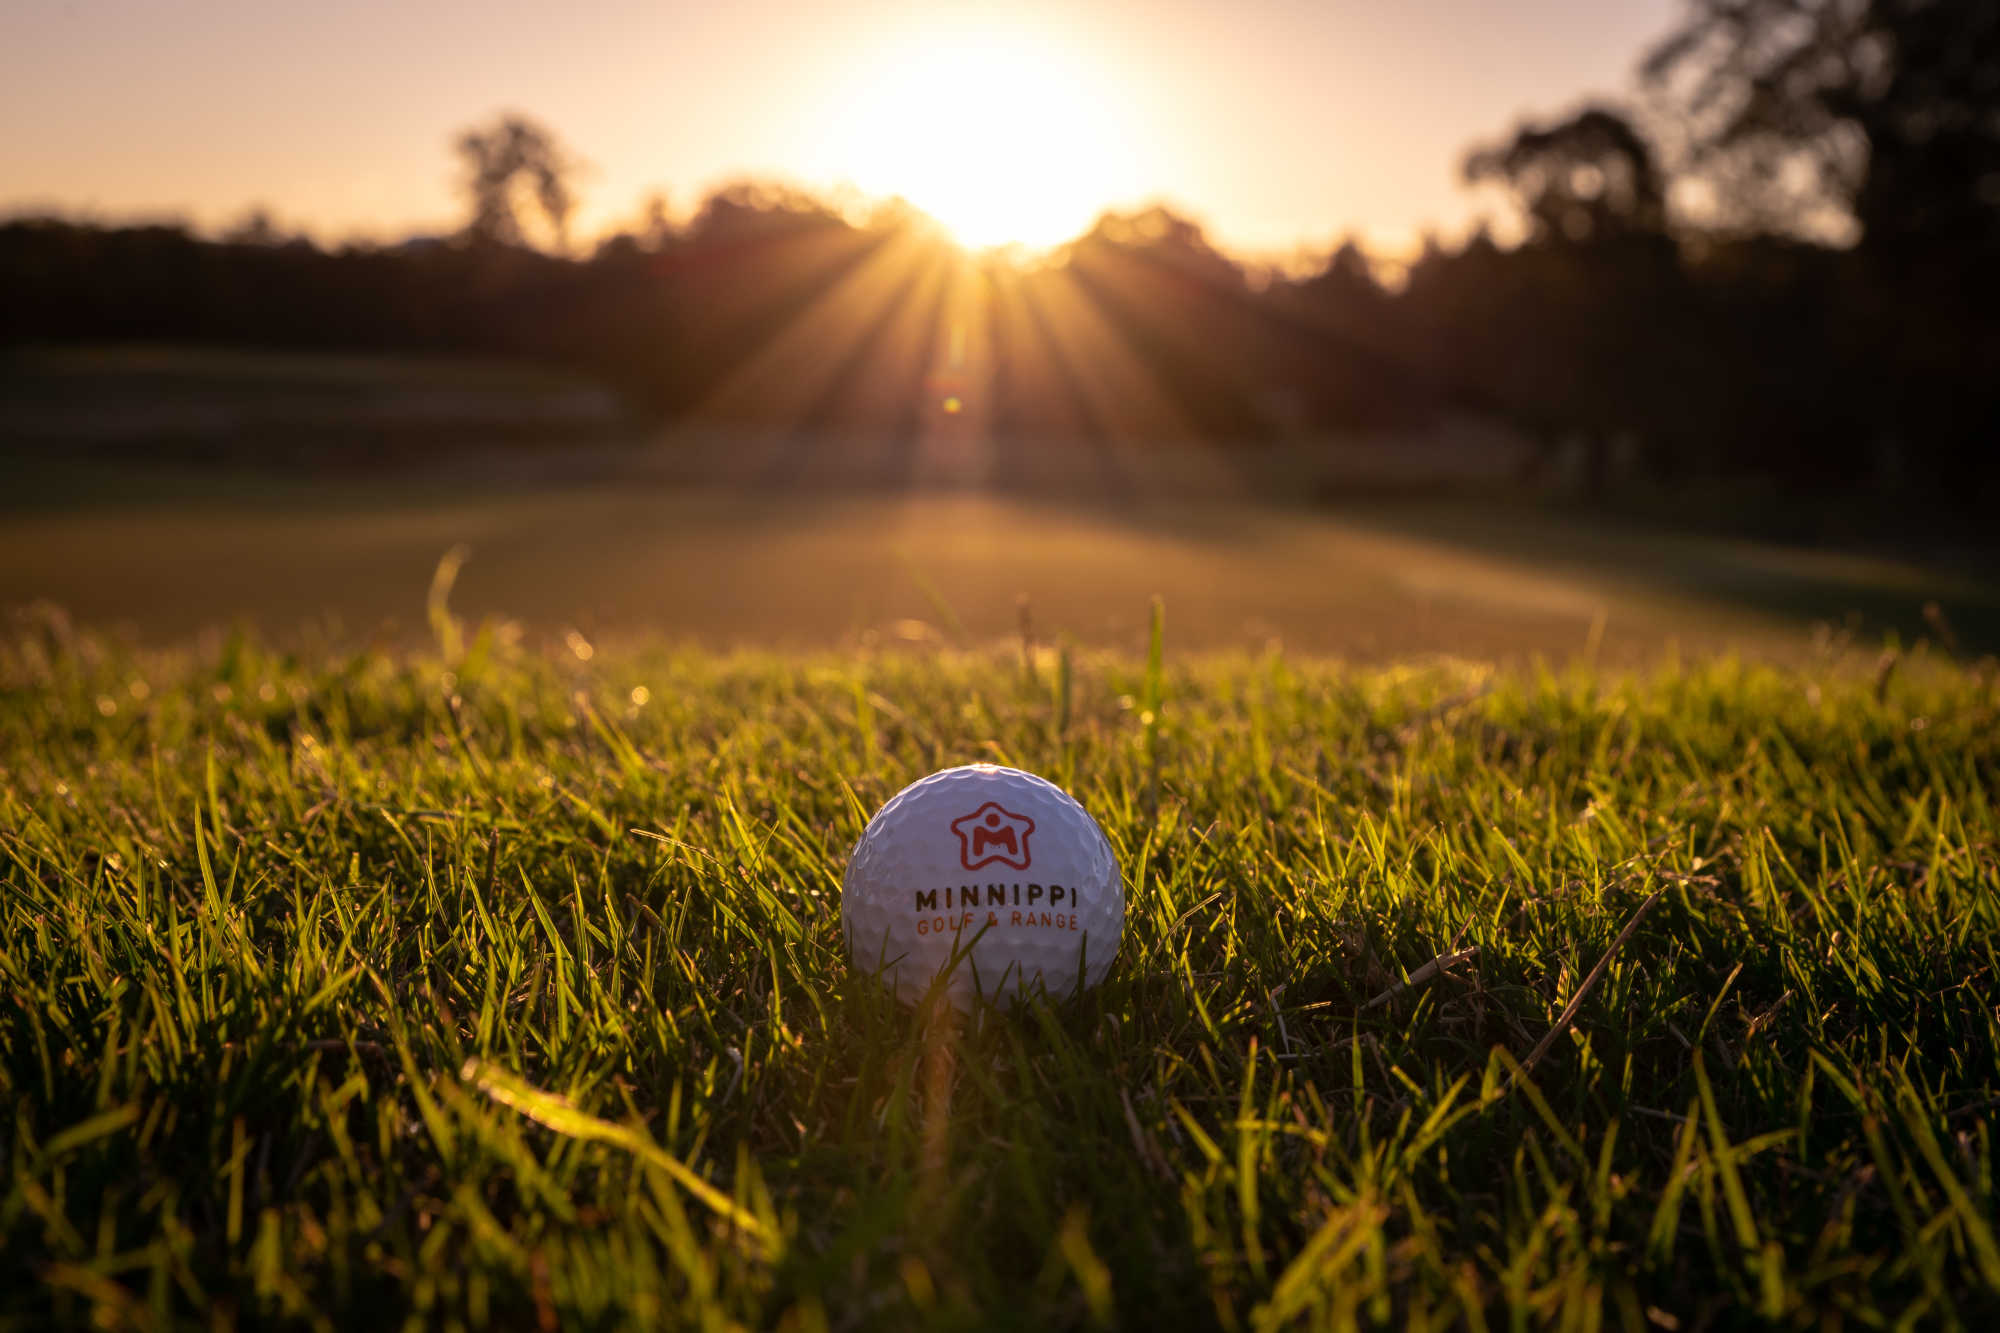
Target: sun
1002	138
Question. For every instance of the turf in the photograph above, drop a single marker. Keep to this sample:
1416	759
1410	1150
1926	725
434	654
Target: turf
503	984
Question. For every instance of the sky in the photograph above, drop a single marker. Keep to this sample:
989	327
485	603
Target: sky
1281	126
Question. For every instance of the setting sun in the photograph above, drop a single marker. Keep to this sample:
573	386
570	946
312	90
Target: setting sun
1002	138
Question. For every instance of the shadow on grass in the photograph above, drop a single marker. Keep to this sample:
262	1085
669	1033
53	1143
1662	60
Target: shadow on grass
1862	595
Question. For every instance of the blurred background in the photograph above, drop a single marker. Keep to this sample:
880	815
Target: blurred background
1371	330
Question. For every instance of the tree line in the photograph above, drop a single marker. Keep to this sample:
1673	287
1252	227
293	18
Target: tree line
1781	257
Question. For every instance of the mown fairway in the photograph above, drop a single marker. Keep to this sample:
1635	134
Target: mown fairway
1371	580
164	492
495	985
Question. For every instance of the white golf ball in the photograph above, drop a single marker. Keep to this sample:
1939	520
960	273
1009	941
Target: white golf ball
996	874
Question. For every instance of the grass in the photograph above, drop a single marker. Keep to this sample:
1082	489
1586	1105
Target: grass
166	489
508	988
1382	580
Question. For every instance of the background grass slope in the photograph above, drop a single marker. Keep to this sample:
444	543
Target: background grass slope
506	985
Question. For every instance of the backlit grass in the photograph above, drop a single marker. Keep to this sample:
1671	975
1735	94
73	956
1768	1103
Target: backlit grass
504	985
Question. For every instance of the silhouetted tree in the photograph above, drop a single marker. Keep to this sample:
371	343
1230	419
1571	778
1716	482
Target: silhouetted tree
656	228
1889	109
255	227
1368	371
1885	113
1588	306
751	210
499	160
1589	177
1348	279
1718	350
1188	313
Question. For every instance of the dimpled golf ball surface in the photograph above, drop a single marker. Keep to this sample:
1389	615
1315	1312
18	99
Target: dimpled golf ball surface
1000	865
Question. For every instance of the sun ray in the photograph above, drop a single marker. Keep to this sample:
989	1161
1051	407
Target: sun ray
793	370
1126	393
744	291
1032	392
1183	340
954	439
869	413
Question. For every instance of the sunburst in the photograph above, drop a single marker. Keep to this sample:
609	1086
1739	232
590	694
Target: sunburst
1002	137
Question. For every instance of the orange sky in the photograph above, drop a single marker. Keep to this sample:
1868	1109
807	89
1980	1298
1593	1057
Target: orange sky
1279	125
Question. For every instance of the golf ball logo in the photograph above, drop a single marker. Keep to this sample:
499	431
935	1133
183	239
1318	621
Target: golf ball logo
940	889
990	834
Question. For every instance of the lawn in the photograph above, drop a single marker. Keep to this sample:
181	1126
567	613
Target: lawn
1373	579
501	982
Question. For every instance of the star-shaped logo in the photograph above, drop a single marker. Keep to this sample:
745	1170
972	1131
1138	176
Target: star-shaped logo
991	834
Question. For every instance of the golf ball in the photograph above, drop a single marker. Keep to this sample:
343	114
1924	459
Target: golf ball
994	876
